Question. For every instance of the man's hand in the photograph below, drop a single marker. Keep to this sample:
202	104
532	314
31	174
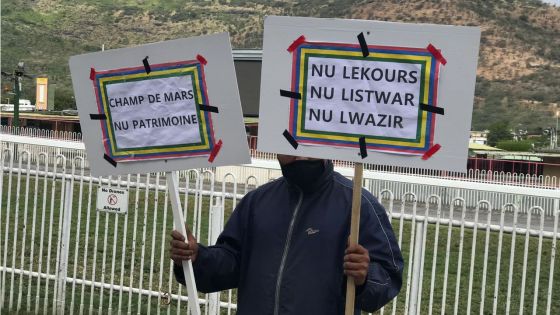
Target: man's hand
179	250
356	263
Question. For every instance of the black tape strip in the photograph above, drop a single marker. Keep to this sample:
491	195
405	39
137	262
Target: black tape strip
110	160
146	65
290	139
208	108
363	147
290	94
97	116
432	109
363	44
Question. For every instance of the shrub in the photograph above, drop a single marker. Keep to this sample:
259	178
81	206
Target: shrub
520	146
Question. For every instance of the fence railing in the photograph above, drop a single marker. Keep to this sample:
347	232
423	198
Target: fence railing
473	175
59	254
41	133
67	147
522	196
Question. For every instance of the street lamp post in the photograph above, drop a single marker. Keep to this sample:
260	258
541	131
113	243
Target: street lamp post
16	77
18	73
17	93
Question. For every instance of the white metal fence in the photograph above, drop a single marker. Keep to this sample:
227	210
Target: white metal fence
475	175
59	254
463	253
471	244
69	144
41	133
472	175
41	141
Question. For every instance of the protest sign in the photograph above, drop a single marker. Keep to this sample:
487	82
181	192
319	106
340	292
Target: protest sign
160	107
154	115
368	91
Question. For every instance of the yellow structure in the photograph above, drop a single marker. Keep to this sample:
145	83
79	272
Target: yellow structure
42	94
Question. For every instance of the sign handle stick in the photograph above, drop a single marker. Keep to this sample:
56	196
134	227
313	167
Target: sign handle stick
354	232
179	222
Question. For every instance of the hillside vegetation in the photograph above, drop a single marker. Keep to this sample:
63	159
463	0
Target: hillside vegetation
519	65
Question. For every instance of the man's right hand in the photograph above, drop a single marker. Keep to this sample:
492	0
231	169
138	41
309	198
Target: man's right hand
179	250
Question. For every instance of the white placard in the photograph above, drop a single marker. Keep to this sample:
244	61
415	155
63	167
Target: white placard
110	199
362	97
156	118
380	95
159	112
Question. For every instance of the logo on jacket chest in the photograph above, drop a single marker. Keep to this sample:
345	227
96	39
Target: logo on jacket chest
311	231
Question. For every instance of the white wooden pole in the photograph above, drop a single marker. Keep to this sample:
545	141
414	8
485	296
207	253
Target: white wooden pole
179	223
354	232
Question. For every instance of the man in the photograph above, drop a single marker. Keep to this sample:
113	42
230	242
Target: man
285	247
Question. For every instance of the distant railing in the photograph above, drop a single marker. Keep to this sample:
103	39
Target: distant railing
472	175
41	133
37	141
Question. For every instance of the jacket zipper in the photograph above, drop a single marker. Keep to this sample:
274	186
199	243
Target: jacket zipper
285	254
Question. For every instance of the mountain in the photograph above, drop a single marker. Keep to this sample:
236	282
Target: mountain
518	73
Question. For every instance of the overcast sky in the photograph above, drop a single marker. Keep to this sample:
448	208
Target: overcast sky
555	2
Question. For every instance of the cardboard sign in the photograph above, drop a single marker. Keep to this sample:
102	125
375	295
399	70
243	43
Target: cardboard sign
346	96
154	115
373	92
160	107
110	199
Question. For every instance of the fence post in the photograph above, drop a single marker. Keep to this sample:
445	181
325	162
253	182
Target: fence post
62	269
416	269
216	217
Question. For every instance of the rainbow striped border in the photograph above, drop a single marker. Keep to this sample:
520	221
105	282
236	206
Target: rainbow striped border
191	68
429	83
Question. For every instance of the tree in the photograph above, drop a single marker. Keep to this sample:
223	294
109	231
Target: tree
518	146
499	132
64	99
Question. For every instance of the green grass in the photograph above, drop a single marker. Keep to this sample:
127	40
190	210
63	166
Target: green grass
152	213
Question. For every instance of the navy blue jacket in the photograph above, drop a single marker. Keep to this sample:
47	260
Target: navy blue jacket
283	249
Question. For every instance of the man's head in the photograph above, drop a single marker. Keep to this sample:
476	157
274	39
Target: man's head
302	171
287	159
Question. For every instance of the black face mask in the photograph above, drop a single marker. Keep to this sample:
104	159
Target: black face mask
304	173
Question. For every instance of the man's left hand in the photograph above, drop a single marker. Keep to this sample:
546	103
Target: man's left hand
356	263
